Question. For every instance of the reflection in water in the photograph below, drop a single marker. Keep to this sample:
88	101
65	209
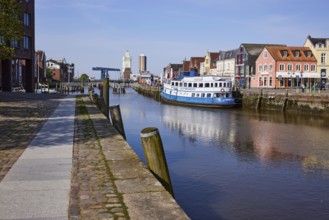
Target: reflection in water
270	137
234	164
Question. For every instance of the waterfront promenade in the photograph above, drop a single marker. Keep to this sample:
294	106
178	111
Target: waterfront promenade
61	159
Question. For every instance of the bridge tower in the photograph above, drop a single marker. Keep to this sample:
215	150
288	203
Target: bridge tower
105	71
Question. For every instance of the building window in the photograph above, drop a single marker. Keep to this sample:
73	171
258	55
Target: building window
270	81
284	53
27	42
2	39
298	67
313	68
270	67
281	67
265	54
305	67
265	68
265	81
308	53
289	67
323	58
260	68
27	19
14	43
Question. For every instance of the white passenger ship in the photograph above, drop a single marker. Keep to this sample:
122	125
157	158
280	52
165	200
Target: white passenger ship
206	91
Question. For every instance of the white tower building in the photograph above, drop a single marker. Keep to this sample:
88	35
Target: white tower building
126	66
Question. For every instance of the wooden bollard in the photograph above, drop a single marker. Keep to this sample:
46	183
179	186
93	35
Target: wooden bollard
116	119
155	156
106	95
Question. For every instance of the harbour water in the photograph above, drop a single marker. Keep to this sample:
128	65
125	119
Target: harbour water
235	164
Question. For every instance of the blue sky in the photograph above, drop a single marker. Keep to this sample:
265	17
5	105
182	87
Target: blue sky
98	32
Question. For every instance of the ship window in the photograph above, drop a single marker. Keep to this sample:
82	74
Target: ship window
224	85
176	83
202	94
190	85
220	84
206	85
185	84
201	85
208	95
172	83
195	85
216	84
197	95
211	85
193	94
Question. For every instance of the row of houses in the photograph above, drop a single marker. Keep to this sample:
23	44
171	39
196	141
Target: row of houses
264	65
58	70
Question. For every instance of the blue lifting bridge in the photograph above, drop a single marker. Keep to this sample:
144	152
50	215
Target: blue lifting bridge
105	71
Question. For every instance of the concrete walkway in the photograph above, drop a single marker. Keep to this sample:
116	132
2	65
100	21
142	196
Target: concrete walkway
38	185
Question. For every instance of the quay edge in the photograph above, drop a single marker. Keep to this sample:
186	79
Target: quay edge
293	100
142	193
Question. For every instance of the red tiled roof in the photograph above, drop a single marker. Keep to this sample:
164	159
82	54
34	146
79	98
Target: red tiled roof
278	52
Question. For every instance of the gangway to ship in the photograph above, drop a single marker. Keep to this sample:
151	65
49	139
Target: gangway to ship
105	71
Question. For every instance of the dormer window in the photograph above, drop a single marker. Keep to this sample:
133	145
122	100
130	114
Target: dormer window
320	45
284	53
297	53
308	53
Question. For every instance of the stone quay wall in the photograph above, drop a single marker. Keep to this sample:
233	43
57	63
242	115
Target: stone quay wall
316	102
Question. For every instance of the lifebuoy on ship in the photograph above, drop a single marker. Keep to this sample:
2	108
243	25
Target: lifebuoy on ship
222	90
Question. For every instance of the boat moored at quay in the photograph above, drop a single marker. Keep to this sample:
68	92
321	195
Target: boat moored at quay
204	91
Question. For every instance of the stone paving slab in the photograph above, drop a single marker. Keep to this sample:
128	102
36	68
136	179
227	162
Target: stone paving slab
18	204
47	158
153	205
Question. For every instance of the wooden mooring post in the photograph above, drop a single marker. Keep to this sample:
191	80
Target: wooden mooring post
116	119
155	156
106	96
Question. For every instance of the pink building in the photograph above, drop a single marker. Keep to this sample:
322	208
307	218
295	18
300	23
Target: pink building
285	67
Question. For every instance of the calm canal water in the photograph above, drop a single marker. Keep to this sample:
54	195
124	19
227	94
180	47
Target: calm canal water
234	164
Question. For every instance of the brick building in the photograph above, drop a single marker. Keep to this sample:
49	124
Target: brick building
285	67
60	70
20	71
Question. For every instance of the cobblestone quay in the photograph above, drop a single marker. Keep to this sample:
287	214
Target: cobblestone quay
108	179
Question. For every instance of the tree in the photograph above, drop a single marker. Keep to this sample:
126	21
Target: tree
84	77
11	28
49	76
